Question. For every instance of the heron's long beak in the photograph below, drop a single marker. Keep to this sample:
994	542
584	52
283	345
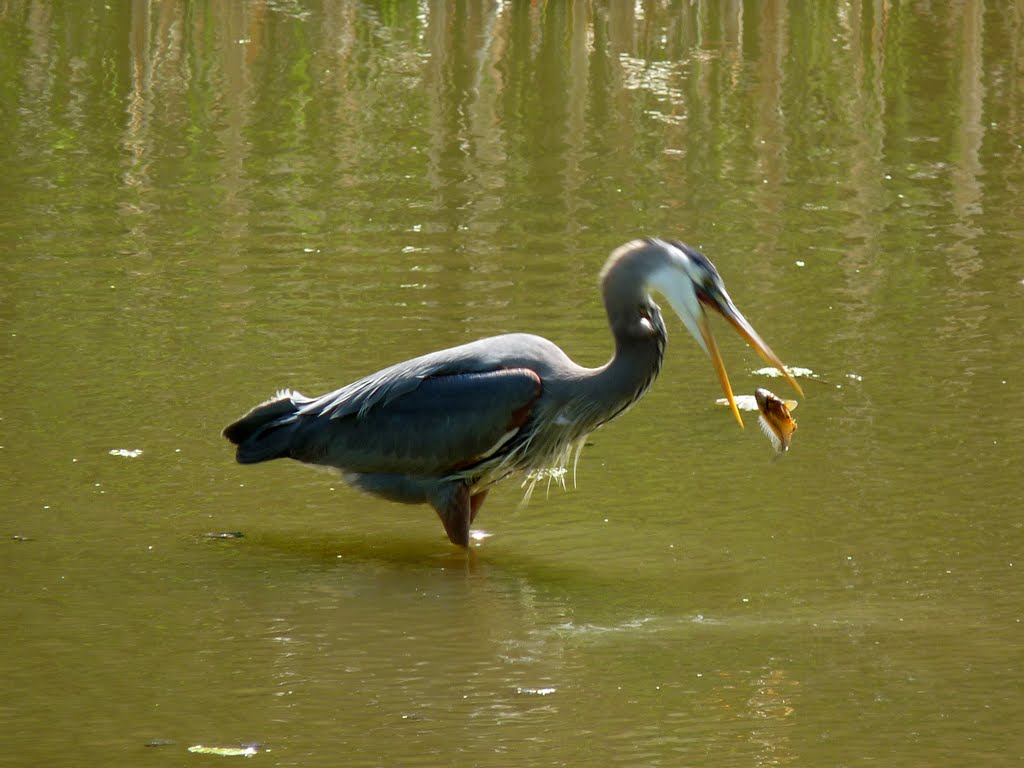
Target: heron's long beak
722	304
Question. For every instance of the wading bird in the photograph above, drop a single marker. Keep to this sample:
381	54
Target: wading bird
441	429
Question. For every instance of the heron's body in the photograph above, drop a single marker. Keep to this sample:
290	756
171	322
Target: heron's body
442	428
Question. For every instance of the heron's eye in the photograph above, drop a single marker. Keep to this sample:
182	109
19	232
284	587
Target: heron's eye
707	289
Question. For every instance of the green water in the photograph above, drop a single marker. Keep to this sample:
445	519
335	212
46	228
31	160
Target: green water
202	203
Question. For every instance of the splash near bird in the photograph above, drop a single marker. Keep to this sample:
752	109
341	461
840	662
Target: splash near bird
775	419
443	428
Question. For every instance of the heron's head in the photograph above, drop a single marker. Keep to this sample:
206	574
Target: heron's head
691	284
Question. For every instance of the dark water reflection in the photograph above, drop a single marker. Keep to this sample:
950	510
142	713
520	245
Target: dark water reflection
205	202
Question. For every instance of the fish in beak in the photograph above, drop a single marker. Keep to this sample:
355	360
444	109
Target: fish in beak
691	284
775	419
717	299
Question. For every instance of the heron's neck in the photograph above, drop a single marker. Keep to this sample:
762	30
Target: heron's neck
639	351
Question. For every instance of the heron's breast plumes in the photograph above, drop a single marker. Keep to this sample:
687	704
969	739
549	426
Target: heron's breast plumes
542	451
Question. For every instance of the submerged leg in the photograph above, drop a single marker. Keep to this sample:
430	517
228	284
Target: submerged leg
452	503
475	502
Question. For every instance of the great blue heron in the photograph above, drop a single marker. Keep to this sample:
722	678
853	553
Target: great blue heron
442	428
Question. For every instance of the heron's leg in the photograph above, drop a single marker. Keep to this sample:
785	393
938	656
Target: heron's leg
475	502
452	503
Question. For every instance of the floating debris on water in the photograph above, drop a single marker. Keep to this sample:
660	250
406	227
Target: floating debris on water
535	691
128	454
795	372
246	750
223	535
743	402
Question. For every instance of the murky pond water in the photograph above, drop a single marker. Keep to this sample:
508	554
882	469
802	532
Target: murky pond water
205	202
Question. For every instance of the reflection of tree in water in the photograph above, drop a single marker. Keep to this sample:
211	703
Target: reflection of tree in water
487	133
772	702
758	708
538	110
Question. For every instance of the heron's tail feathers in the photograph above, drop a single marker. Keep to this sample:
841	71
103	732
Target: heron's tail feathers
266	432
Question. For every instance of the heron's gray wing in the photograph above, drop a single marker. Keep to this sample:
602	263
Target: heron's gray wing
513	350
361	396
425	426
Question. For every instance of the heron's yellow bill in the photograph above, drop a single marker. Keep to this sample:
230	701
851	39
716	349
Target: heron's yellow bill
728	310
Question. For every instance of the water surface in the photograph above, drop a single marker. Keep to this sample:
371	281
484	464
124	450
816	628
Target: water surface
205	203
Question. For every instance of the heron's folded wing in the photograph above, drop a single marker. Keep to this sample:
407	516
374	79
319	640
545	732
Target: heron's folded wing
507	352
436	425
